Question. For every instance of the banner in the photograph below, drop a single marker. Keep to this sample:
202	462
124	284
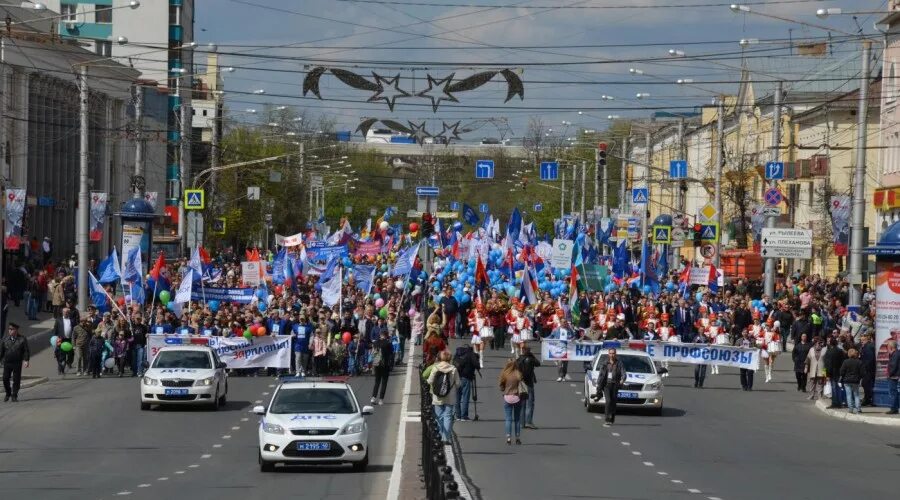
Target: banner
98	215
561	257
887	313
757	220
325	252
236	352
15	212
704	354
236	295
593	276
289	241
368	248
699	276
578	350
840	224
250	272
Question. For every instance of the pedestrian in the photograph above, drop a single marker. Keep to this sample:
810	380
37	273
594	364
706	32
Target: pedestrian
815	369
526	364
81	336
443	380
563	332
15	355
612	376
120	352
867	358
799	355
700	370
301	330
893	376
467	364
747	342
851	375
404	331
433	344
513	389
95	349
319	352
138	345
834	358
381	366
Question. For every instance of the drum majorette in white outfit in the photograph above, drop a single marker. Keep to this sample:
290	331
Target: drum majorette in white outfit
718	337
519	329
771	347
478	325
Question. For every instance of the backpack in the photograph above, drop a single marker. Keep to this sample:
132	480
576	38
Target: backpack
377	358
442	384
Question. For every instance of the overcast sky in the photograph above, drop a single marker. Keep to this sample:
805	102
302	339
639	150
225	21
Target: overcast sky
391	37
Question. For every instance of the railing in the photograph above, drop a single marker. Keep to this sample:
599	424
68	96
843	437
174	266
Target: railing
439	482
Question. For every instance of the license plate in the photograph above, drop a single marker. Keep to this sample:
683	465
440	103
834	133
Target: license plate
628	395
176	392
313	446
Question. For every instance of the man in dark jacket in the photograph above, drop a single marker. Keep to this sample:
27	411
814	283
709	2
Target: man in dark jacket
14	354
467	364
867	358
834	358
893	376
801	326
526	363
786	319
612	376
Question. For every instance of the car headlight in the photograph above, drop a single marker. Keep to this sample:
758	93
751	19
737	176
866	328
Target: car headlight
354	428
272	428
652	387
206	381
150	381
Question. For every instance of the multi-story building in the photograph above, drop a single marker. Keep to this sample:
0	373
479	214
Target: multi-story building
887	198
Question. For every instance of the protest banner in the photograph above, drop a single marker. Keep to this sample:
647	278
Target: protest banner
236	295
368	248
236	352
704	354
250	273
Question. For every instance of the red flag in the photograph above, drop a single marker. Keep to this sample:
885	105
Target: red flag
713	276
248	254
686	274
204	256
480	272
160	263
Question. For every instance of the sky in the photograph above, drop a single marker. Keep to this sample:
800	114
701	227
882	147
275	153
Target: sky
568	54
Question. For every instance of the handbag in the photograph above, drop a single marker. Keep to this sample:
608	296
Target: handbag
523	390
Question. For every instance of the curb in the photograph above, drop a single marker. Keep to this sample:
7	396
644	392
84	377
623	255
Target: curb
33	381
866	419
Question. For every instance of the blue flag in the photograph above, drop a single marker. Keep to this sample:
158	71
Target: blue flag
109	268
98	295
469	215
364	276
133	268
278	267
329	271
405	261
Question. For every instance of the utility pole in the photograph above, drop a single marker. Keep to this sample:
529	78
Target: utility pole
184	157
562	196
623	172
3	91
574	184
858	208
675	258
83	194
583	172
139	183
776	153
649	170
302	162
214	153
605	189
597	182
720	164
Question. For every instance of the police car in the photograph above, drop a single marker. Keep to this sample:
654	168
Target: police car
313	421
184	374
643	386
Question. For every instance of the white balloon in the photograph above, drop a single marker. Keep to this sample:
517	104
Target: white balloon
399	284
384	225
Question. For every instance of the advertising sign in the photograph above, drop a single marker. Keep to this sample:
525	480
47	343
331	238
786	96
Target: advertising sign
887	312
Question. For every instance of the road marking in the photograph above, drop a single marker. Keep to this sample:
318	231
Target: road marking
598	417
573	385
193	466
245	419
145	485
393	492
661	473
648	464
162	479
226	436
179	472
577	392
265	394
692	490
677	481
626	443
258	401
235	428
217	446
616	434
636	453
714	498
271	385
123	493
205	455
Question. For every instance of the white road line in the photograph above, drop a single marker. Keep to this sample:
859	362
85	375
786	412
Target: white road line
162	479
123	493
714	498
598	417
626	443
271	385
661	473
265	394
258	401
245	419
217	446
226	436
615	434
676	481
636	453
235	428
692	490
393	492
573	385
193	466
648	464
577	392
145	485
205	455
179	472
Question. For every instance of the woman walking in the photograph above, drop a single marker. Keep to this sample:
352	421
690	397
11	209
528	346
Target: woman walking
815	369
851	375
510	381
798	355
381	355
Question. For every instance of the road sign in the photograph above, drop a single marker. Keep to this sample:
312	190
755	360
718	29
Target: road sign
549	170
454	205
678	169
662	235
194	229
483	208
771	211
640	196
708	213
678	236
430	191
773	197
484	169
538	207
194	199
253	193
679	220
709	232
218	225
708	251
787	243
774	171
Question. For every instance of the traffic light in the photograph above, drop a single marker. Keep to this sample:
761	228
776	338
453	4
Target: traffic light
427	225
601	157
697	230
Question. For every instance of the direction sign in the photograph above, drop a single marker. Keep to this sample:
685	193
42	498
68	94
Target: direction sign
773	197
662	235
549	170
454	205
484	169
787	243
538	207
640	196
678	169
771	211
430	191
774	171
483	208
709	232
194	199
708	212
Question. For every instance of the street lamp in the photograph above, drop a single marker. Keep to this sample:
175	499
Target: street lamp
228	69
635	71
682	81
607	97
831	11
613	117
739	8
676	53
748	41
642	95
122	40
259	91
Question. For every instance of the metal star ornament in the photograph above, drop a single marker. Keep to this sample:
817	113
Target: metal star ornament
388	90
418	131
435	86
453	129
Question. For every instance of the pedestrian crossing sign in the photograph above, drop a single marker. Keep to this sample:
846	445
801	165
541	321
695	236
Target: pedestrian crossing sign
662	235
218	225
709	232
194	199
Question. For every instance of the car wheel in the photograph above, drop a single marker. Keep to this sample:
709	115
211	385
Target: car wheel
217	403
362	464
224	397
265	465
145	406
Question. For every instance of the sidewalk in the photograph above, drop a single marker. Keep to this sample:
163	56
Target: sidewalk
869	415
37	332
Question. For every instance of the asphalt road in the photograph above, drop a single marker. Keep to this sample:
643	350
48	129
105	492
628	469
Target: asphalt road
714	443
83	438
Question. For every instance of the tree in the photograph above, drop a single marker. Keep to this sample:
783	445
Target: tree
737	189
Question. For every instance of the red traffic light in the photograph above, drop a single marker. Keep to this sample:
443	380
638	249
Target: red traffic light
697	228
602	146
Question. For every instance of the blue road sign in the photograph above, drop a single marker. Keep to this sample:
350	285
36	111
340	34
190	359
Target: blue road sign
454	205
774	171
640	196
773	197
709	232
538	207
678	169
483	208
549	170
484	169
432	191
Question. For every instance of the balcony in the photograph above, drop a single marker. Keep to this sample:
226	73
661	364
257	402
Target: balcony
93	31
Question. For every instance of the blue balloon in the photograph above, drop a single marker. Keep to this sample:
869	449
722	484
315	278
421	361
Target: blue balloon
390	231
376	296
213	305
610	288
170	306
698	296
647	289
457	226
436	285
261	306
260	293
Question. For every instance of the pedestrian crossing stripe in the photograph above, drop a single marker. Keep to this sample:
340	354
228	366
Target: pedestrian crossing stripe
194	199
662	235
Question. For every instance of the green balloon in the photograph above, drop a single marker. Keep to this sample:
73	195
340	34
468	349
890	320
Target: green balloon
66	346
164	297
247	334
383	313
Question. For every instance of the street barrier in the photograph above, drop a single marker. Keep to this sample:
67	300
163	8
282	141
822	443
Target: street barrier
439	482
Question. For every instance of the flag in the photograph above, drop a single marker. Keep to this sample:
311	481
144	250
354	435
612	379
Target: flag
204	256
469	215
196	264
184	289
513	228
158	266
134	267
98	294
137	292
528	291
573	296
331	289
330	268
684	284
713	280
481	277
278	264
364	277
109	270
405	261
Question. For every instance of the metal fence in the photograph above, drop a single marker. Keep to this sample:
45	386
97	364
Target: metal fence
439	482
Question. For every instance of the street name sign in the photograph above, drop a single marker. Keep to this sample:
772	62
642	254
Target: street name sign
786	243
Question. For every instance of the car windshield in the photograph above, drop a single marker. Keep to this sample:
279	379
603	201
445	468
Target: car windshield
183	359
309	400
633	364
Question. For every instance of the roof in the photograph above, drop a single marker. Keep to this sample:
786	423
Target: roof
848	100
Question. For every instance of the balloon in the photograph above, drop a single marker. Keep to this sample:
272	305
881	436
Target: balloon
457	226
383	313
413	227
610	288
698	296
260	331
247	334
390	231
347	337
436	285
66	347
128	298
412	311
260	294
261	306
376	297
384	225
165	297
109	363
398	284
213	305
53	340
647	289
171	306
379	303
279	290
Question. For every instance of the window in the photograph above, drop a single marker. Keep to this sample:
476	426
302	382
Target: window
67	12
103	13
103	48
891	84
